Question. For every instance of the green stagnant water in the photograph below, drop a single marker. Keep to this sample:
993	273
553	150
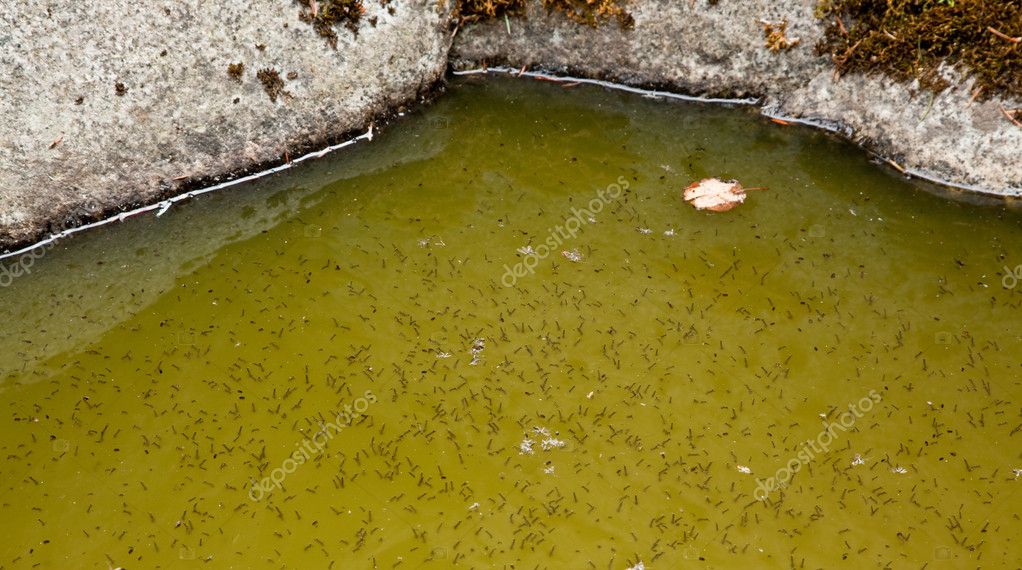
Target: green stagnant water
679	395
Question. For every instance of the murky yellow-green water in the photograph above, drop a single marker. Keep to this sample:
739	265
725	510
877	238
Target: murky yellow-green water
157	375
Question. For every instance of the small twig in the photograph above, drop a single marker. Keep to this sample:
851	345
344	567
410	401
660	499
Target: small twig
976	93
841	26
848	53
1010	117
570	85
1004	36
897	166
933	97
57	141
522	70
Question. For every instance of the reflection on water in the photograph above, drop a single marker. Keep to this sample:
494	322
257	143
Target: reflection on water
328	369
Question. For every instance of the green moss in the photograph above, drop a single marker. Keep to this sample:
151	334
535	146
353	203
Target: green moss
909	39
587	12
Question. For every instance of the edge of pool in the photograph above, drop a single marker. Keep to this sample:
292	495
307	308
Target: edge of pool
94	134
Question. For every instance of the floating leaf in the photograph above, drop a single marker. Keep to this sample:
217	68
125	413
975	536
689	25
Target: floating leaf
715	195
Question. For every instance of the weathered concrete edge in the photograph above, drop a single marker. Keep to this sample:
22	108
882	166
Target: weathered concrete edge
654	92
178	121
313	148
780	97
163	206
718	51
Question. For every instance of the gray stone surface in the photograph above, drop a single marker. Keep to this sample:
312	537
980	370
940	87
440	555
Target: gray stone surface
693	47
182	117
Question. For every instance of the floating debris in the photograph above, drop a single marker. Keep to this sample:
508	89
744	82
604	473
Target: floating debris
638	566
525	447
551	443
526	250
744	469
573	255
431	240
547	443
858	460
899	470
716	195
644	231
478	345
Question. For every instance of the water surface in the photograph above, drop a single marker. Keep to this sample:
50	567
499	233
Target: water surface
622	407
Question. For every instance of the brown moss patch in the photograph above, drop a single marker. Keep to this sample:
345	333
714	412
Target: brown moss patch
776	35
325	15
909	39
272	83
587	12
235	70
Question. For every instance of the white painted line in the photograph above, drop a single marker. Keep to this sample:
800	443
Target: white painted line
607	84
165	205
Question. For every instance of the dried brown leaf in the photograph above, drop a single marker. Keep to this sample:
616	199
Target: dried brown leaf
714	194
